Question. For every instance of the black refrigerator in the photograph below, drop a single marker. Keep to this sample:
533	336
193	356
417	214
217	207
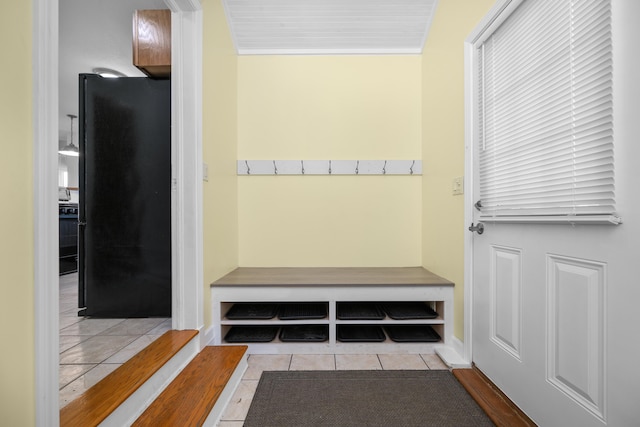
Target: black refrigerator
124	233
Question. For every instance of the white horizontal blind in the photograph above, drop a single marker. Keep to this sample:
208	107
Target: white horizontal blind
546	137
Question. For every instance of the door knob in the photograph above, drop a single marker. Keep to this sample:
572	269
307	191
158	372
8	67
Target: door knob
479	228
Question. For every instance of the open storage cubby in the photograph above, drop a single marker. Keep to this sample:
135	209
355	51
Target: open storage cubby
332	310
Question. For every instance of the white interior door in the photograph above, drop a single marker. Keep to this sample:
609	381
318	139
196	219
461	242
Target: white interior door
553	304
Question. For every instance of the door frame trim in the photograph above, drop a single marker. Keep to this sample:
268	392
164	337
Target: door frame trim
496	16
186	160
45	233
187	310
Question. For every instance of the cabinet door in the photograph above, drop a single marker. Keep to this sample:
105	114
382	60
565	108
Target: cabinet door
152	42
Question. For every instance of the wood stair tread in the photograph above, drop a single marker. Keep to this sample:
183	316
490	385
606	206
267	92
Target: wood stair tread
190	397
95	404
500	409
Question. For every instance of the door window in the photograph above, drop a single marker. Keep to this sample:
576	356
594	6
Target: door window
545	126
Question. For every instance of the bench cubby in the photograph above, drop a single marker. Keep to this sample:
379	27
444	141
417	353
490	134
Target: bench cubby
333	310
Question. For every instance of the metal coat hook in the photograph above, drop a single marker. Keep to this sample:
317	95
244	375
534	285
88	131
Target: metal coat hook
384	168
411	168
246	162
329	167
275	168
302	163
357	166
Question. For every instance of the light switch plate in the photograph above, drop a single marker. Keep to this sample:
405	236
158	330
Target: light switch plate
457	186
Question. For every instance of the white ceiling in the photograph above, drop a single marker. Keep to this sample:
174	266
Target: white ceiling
329	26
98	33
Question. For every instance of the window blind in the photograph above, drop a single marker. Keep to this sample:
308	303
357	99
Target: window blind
545	112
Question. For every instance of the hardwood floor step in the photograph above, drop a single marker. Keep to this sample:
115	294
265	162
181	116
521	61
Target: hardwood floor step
97	403
188	400
500	409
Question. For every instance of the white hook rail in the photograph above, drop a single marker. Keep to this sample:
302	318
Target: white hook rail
329	167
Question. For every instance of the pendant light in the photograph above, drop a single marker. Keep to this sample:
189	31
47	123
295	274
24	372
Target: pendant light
70	149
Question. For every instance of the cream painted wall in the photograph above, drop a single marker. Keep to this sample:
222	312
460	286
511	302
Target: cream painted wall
17	371
219	129
329	107
321	221
443	142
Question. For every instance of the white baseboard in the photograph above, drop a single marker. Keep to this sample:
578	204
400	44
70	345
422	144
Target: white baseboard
458	346
206	337
452	355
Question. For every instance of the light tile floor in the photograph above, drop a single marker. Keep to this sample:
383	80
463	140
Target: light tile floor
236	411
90	349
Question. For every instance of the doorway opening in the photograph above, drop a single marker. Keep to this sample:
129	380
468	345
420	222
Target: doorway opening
112	282
186	188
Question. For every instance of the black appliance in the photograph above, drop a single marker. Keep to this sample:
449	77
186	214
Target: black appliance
68	237
125	197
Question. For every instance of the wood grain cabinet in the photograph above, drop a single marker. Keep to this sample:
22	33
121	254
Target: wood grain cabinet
152	42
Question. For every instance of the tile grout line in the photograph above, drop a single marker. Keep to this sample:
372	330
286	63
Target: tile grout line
425	362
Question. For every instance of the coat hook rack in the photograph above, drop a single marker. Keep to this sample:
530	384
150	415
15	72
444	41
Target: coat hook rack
329	167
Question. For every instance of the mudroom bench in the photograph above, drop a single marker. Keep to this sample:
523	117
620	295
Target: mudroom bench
333	310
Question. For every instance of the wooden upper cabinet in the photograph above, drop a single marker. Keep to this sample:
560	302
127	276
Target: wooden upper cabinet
152	42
